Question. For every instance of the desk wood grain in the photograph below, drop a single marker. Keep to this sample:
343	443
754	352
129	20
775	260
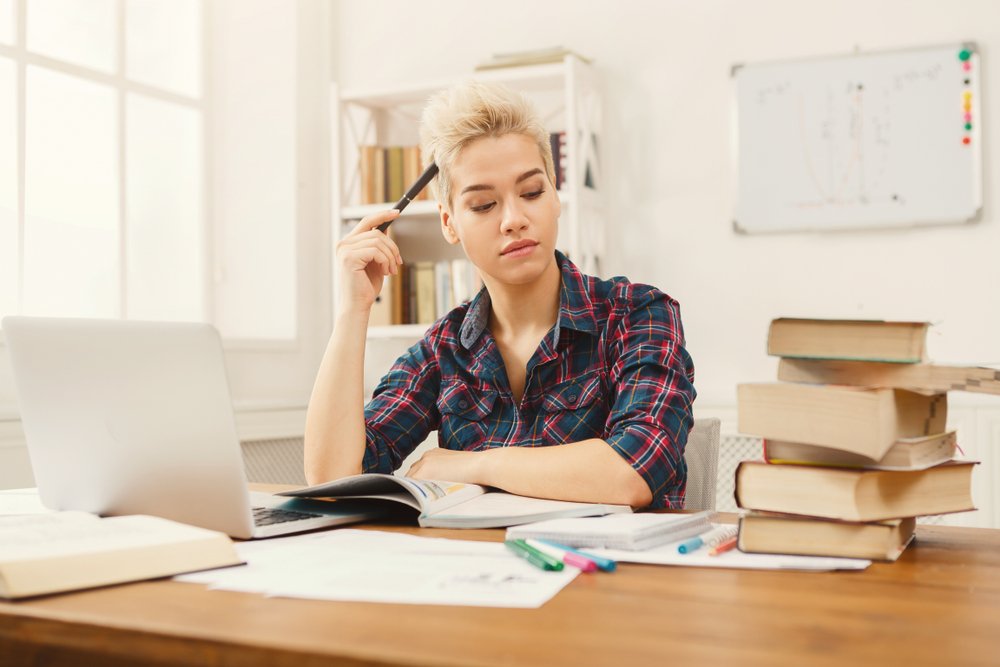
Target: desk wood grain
939	604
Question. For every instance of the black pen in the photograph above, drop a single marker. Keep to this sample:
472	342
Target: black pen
411	194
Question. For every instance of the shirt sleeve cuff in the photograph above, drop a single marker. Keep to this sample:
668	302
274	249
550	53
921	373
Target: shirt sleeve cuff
650	452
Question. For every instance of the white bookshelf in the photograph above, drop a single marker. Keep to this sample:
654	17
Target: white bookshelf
567	97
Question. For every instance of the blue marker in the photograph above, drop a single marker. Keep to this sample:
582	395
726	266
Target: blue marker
687	546
606	564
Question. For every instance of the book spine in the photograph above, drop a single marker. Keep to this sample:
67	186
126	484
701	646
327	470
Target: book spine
396	187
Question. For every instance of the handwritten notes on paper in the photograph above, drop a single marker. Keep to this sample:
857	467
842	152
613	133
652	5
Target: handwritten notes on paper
374	566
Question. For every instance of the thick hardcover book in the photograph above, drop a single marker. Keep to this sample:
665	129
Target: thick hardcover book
925	378
65	551
852	419
904	454
854	495
442	504
762	532
870	340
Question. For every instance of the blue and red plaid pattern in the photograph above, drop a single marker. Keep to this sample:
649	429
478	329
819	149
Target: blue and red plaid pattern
613	367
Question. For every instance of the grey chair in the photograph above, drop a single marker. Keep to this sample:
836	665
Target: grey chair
702	457
275	461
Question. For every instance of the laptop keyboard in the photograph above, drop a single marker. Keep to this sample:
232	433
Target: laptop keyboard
268	516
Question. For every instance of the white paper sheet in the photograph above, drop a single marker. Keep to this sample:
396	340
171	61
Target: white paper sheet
375	566
667	555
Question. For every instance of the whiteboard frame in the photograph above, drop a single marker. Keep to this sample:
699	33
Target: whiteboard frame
977	214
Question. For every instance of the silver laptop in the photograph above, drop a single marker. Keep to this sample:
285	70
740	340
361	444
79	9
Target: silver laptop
136	418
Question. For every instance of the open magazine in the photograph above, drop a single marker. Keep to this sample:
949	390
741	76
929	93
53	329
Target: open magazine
454	504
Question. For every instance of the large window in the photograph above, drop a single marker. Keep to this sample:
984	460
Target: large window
102	188
167	159
130	189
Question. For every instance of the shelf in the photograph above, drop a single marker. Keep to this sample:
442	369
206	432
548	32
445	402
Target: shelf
424	207
535	77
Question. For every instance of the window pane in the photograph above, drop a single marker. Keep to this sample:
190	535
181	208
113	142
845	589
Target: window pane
163	44
71	239
7	21
8	189
166	263
78	31
254	169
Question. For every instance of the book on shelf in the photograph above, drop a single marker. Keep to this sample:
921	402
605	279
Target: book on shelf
441	504
424	292
385	173
904	454
768	533
854	494
64	551
381	312
618	531
853	419
395	187
367	166
923	377
557	142
858	340
554	54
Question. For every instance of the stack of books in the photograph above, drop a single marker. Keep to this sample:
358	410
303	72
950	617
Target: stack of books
855	444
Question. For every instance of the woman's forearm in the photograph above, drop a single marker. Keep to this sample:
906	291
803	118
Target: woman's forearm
589	471
335	420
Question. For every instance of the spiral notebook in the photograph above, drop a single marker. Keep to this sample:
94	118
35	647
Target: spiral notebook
616	531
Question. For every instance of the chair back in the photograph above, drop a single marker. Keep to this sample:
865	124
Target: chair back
702	457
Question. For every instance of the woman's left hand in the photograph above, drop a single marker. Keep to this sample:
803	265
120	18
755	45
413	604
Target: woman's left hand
449	465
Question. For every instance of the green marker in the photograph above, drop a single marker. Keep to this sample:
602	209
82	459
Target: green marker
540	560
964	54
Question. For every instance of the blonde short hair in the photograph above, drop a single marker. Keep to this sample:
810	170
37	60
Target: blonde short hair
463	113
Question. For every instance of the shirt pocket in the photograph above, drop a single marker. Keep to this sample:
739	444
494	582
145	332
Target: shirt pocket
465	416
573	410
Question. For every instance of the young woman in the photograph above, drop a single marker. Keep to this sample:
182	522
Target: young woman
549	383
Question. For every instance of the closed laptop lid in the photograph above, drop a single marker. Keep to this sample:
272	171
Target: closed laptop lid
130	418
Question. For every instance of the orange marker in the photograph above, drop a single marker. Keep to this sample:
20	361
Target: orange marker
724	546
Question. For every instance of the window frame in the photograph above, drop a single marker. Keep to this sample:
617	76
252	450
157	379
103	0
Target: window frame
265	376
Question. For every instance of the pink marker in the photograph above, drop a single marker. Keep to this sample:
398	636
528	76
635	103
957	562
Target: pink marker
967	66
576	560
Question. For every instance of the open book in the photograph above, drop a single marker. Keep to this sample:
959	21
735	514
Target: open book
64	551
453	504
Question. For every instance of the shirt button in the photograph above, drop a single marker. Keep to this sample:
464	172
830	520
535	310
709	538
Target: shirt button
572	398
463	404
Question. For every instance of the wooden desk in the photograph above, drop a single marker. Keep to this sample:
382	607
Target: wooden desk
939	604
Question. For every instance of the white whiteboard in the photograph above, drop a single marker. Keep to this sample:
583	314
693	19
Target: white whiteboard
867	140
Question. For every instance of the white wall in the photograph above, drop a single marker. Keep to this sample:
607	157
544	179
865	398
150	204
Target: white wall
665	67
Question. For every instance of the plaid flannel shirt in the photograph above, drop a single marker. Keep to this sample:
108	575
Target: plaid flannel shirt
613	367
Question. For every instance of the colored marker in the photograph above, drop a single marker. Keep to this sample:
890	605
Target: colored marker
533	556
605	564
576	560
711	538
724	546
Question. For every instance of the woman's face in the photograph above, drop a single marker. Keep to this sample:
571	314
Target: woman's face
504	210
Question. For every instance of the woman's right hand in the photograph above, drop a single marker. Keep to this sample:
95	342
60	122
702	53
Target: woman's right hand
365	257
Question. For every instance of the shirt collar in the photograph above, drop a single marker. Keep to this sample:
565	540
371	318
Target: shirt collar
576	309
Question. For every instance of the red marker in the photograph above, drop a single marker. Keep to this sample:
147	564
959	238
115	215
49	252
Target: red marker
966	140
